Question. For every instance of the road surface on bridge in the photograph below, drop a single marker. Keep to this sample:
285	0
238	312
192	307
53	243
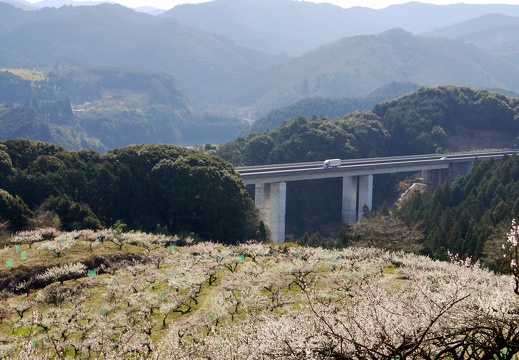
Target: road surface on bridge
298	171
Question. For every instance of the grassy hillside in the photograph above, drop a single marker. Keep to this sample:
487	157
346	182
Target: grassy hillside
125	295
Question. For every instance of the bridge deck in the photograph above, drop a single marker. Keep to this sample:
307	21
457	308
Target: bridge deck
359	167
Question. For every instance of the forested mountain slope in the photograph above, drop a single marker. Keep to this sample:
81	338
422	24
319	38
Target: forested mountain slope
113	35
24	5
11	17
274	26
147	187
353	67
472	215
432	119
496	33
481	24
416	123
219	75
329	107
104	108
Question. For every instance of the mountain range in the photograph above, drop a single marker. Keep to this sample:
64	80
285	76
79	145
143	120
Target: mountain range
496	33
287	26
356	65
247	58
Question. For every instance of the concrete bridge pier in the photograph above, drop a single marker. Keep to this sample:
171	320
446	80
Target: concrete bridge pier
459	168
435	177
349	199
271	200
365	194
357	181
438	176
357	191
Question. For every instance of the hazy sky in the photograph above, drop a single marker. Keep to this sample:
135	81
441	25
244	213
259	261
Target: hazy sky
375	4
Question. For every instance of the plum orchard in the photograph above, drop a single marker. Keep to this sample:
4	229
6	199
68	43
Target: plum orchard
254	301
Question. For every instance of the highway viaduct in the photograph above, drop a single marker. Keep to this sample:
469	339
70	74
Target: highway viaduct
357	181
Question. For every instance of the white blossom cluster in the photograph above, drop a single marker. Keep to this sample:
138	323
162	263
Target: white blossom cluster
94	235
60	243
207	301
51	239
510	246
147	241
32	236
511	251
63	272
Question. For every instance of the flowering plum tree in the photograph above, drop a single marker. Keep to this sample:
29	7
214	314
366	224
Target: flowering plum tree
292	303
59	244
63	273
32	236
149	242
511	250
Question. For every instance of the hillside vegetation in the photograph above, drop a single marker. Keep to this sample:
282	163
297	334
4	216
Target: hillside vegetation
112	35
103	108
330	108
420	122
148	187
147	301
471	215
115	248
40	177
165	188
426	121
339	53
497	33
355	66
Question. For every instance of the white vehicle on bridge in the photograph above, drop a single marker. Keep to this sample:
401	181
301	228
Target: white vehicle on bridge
331	163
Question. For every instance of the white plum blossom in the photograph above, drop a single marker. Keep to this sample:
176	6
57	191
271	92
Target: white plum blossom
298	304
59	244
511	251
63	272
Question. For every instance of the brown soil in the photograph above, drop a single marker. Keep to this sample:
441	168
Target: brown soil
465	139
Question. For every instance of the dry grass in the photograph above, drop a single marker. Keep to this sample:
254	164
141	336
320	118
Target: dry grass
80	251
